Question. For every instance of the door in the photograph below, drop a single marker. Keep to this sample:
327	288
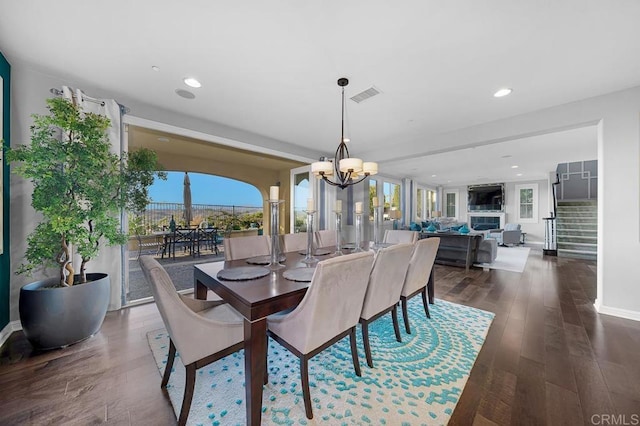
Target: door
302	190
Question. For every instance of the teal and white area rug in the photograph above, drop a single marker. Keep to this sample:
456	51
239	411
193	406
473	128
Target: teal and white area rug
416	382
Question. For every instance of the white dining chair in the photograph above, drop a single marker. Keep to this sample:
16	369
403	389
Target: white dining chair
326	238
246	247
200	331
383	292
295	242
392	236
328	312
418	274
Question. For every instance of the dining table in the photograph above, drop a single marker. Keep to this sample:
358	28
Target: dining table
255	299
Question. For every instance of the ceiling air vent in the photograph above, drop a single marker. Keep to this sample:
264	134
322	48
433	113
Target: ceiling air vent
363	96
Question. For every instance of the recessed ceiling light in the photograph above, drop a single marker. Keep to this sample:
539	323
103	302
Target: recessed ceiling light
192	82
155	68
345	140
514	167
163	139
185	94
519	174
502	92
433	175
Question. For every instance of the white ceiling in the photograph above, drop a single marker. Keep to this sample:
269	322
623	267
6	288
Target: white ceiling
271	67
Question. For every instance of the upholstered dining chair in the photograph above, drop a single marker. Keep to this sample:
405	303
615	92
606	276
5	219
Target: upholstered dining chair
328	312
383	292
392	236
295	242
418	275
326	238
245	247
201	331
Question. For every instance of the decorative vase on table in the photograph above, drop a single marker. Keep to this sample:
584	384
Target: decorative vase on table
464	229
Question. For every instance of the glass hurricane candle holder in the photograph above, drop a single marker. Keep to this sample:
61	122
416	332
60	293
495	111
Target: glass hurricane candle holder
275	242
310	258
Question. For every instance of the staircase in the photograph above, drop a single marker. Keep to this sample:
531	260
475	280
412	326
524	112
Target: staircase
577	229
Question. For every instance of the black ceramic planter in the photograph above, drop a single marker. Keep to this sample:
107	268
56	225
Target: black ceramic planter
58	317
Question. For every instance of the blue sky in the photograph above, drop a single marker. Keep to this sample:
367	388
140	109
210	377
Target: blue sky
205	189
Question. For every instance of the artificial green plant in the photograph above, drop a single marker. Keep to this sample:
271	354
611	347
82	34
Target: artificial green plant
79	187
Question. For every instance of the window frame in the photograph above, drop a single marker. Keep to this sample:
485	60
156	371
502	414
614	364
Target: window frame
534	202
445	206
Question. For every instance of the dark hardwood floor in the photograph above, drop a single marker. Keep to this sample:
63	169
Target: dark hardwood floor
549	358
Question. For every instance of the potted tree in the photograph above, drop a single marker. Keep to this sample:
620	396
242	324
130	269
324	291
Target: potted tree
79	187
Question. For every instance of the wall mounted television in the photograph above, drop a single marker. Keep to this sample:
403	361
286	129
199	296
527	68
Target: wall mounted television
485	197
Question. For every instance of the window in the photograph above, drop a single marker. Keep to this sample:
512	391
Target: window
391	192
425	203
431	202
527	202
373	192
451	204
420	200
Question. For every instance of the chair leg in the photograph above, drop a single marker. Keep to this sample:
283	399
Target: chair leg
424	302
405	315
394	317
304	374
189	384
354	351
169	365
365	340
431	287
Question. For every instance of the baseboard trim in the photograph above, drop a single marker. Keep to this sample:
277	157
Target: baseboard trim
617	312
8	330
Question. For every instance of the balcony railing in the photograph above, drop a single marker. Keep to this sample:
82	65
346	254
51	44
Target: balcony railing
157	216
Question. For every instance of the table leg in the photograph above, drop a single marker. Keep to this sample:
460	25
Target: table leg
199	290
255	346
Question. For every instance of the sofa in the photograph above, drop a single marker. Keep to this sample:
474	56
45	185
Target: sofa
487	251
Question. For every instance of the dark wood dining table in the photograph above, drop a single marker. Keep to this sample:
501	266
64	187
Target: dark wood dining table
254	299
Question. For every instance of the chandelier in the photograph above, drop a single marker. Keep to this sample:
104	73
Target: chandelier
344	169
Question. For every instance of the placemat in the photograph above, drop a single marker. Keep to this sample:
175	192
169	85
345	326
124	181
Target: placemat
243	273
264	260
299	274
319	252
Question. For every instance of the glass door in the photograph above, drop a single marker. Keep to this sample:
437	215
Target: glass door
302	189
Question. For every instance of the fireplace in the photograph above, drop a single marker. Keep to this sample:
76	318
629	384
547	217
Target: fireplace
480	221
